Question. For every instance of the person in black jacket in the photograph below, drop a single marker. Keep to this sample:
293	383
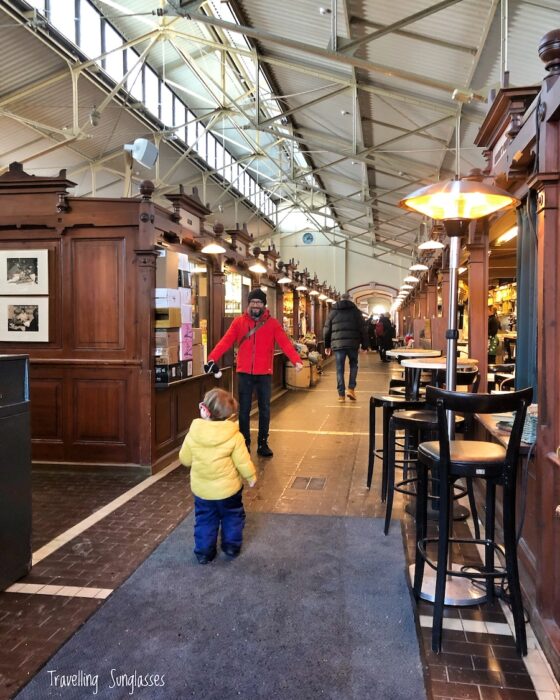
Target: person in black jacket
344	332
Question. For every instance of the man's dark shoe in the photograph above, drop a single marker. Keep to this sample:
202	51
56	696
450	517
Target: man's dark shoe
264	450
230	551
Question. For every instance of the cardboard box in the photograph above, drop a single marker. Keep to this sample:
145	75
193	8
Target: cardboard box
167	270
185	295
197	360
168	318
197	336
165	374
164	337
186	369
167	298
185	341
186	314
167	356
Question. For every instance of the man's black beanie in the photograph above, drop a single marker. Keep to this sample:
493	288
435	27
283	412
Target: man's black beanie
257	294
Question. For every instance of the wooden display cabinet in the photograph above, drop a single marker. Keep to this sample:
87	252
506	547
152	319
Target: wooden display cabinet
93	394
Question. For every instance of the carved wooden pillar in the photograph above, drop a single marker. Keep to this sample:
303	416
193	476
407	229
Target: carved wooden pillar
217	302
478	299
431	300
423	304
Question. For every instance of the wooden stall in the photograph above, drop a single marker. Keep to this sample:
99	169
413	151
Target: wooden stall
78	294
521	134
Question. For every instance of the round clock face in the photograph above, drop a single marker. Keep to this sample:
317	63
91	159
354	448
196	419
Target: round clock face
308	238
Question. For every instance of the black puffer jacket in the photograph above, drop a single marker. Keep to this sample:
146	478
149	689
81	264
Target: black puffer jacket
345	327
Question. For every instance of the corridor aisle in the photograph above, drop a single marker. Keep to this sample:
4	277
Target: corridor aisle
92	530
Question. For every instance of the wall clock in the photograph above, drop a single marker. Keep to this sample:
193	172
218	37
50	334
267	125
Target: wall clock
308	238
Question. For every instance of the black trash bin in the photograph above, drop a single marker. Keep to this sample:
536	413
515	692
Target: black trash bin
15	469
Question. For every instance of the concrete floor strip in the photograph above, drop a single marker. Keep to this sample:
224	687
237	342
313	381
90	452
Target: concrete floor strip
65	537
66	591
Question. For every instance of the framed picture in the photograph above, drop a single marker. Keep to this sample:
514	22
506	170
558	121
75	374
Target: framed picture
24	319
24	271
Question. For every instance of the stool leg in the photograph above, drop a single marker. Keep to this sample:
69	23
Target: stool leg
421	524
371	441
390	475
443	546
387	413
512	569
489	534
472	506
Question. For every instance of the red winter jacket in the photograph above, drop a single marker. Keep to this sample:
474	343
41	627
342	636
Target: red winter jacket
255	354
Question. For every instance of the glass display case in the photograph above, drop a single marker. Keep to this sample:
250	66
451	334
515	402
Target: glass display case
288	312
233	294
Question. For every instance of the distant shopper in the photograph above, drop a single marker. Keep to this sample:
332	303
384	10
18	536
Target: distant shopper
372	337
493	328
344	332
255	333
385	332
216	452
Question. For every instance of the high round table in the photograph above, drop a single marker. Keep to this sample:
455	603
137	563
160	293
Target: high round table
411	377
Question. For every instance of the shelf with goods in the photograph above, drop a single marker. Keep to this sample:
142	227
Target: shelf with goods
288	312
504	298
181	316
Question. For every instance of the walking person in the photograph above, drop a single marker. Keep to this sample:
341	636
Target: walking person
493	328
344	332
216	452
255	333
385	333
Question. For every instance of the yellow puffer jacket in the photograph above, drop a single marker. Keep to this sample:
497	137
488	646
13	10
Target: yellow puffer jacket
217	455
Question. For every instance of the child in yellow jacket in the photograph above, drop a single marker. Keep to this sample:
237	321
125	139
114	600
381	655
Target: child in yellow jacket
216	452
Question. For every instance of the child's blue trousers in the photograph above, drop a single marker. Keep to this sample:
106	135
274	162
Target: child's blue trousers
208	515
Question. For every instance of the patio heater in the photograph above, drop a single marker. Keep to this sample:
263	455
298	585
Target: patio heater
456	203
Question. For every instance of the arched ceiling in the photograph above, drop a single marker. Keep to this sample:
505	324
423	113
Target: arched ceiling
337	109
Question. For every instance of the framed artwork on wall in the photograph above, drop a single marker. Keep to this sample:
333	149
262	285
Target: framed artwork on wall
24	272
24	319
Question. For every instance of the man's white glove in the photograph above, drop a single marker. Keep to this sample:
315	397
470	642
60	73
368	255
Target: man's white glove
299	366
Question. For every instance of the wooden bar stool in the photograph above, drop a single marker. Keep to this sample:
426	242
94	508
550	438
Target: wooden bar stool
497	466
419	425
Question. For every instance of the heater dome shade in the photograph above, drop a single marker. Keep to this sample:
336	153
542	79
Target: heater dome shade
457	199
143	152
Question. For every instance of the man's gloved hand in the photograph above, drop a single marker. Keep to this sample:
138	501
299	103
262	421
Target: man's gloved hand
212	368
299	366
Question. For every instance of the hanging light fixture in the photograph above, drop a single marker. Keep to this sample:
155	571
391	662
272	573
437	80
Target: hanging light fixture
412	279
256	265
214	245
418	267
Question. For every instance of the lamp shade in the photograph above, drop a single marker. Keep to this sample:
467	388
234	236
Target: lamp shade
457	199
213	248
258	267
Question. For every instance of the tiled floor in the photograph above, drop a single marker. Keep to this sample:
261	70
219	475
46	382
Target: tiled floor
90	531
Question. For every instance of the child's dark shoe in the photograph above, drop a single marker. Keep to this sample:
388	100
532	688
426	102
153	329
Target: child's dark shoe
231	551
204	558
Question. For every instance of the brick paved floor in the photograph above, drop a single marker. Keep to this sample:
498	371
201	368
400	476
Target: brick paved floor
320	456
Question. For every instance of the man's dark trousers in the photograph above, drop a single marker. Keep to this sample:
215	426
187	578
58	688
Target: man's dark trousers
247	384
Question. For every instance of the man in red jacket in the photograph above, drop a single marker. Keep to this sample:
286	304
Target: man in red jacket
255	333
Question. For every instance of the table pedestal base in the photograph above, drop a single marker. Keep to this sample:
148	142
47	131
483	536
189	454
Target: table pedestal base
458	591
459	511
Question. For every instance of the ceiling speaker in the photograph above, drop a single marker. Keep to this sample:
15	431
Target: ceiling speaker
143	152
